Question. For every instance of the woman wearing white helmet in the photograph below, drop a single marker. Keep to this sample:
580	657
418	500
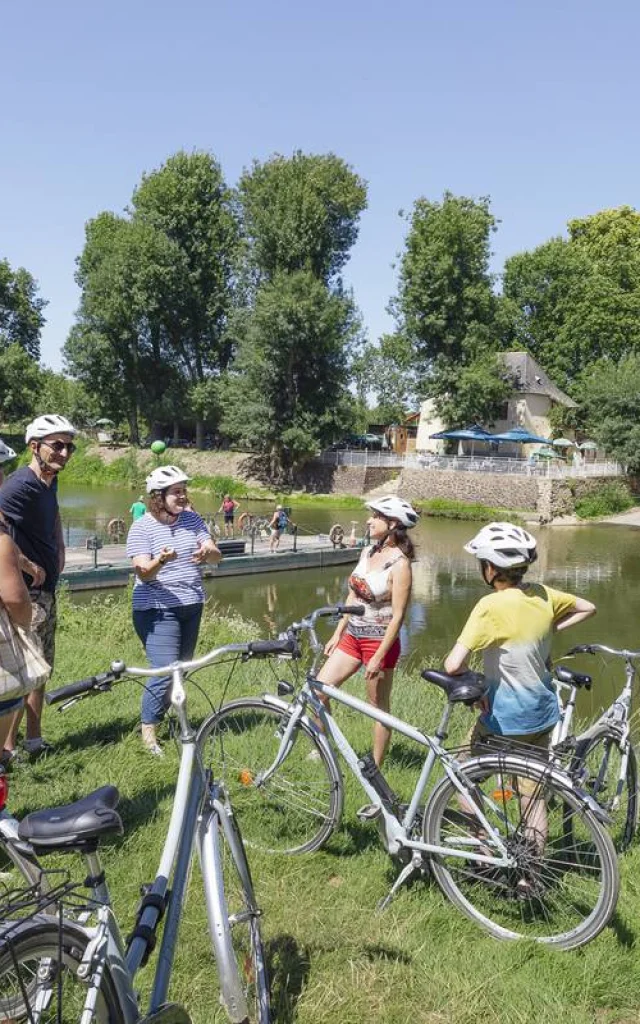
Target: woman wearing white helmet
168	547
513	627
381	582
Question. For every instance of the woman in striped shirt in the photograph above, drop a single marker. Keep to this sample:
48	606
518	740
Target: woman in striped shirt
168	547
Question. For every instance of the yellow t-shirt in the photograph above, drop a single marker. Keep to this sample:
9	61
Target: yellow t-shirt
513	628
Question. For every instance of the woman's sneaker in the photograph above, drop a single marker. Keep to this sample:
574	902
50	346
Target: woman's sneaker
37	748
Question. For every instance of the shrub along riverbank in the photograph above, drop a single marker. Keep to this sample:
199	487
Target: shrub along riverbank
334	959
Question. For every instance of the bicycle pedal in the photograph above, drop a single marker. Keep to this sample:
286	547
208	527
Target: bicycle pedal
369	812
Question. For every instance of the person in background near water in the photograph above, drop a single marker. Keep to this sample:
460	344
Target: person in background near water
228	510
513	627
138	508
279	522
29	508
168	547
381	582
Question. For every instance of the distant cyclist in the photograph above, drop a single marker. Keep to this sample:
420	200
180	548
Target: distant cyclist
279	522
228	510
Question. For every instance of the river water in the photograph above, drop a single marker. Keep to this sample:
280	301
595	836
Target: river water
601	563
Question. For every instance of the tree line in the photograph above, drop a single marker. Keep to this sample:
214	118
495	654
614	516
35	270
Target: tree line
225	307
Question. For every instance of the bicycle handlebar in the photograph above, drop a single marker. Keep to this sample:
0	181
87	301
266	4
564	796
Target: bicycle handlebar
602	649
98	683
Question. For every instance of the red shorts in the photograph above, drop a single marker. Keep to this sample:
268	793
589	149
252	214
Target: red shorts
364	648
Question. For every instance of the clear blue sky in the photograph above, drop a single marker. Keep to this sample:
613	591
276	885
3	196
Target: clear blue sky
535	104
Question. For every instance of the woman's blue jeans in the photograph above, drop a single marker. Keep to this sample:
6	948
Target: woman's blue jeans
168	634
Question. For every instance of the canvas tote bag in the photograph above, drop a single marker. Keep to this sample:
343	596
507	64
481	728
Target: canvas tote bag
22	665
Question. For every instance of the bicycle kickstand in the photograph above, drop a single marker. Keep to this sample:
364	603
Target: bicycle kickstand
415	865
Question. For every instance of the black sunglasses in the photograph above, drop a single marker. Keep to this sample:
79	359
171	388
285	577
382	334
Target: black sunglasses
60	446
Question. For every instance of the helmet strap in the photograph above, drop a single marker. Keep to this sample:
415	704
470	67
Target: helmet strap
45	469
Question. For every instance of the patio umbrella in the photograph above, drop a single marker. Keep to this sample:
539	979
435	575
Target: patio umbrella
103	423
588	446
473	433
562	442
519	435
546	453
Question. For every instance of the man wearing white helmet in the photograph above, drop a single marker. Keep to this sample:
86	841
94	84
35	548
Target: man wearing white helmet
381	582
513	627
29	507
168	546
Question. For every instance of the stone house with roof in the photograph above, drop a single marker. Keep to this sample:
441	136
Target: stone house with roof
534	396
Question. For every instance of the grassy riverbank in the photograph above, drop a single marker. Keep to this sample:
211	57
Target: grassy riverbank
334	960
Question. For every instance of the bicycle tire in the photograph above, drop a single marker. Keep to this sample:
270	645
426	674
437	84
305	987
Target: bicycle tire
234	923
544	896
301	804
34	948
596	767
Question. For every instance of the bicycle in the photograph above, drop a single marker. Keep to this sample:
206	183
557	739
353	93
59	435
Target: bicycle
602	758
478	834
95	955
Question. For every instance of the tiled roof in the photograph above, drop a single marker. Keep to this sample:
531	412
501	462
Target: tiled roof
529	377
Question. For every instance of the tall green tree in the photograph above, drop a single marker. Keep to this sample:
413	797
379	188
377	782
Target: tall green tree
21	310
610	403
301	213
286	393
189	203
129	273
446	307
575	301
20	383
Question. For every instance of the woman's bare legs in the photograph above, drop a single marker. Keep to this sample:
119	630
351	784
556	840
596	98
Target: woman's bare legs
379	696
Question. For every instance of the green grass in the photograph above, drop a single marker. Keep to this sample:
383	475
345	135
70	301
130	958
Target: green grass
606	500
448	508
334	959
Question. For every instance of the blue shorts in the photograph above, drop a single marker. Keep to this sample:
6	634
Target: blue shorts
7	706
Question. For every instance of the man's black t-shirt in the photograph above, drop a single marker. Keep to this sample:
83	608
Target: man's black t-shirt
30	508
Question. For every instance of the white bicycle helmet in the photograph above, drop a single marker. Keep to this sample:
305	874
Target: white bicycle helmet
504	545
6	453
393	507
165	476
44	426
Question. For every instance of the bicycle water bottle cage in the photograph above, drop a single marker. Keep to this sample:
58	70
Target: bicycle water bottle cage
466	688
565	675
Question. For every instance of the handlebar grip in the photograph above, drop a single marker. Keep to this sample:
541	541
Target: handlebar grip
580	649
78	688
350	609
272	646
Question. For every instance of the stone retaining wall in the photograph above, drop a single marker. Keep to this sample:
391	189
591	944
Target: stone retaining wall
318	478
495	489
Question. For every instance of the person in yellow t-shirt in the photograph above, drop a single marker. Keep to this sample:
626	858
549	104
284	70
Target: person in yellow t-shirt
513	628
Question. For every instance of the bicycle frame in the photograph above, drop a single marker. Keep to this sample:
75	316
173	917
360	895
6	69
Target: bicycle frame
195	812
615	719
398	832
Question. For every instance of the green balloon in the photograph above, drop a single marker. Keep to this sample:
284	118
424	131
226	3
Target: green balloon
158	447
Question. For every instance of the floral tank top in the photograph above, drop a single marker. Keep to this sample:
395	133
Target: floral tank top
372	588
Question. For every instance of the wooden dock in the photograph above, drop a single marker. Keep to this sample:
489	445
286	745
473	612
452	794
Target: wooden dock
113	568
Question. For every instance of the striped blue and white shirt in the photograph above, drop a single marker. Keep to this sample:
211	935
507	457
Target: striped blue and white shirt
178	582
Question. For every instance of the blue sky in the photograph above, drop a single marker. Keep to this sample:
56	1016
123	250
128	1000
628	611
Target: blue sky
534	104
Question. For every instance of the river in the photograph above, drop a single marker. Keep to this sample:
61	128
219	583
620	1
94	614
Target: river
598	562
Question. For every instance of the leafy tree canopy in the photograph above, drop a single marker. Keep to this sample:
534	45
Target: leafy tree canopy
301	213
288	384
20	381
21	310
610	400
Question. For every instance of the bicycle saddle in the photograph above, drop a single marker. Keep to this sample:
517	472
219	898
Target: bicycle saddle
466	688
73	825
565	675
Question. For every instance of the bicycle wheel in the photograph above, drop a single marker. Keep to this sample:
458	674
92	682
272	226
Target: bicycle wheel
596	767
39	977
297	809
234	921
561	889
